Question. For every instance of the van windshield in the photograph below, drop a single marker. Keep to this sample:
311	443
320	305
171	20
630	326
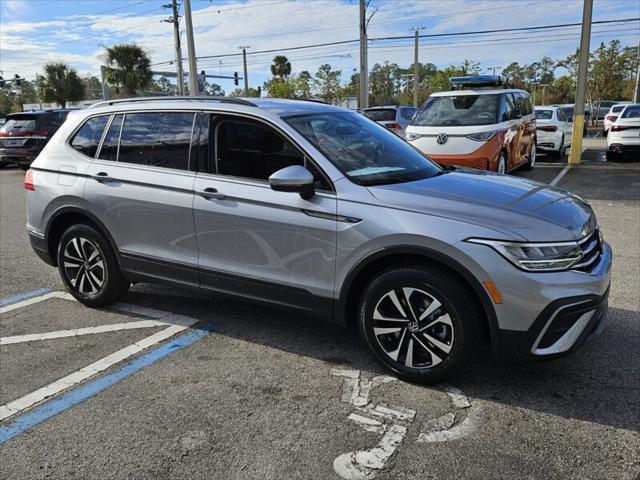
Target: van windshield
460	110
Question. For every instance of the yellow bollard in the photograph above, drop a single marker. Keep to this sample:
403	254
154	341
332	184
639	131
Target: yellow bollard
576	140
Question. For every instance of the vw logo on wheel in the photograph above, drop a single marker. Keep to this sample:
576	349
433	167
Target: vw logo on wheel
442	138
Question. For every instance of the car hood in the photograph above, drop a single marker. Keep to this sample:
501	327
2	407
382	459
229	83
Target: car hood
518	207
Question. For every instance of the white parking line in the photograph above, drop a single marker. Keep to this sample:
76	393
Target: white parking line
76	332
559	177
178	324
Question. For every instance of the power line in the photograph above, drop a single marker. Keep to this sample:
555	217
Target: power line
402	37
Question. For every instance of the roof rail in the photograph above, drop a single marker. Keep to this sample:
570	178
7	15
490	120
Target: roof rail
234	100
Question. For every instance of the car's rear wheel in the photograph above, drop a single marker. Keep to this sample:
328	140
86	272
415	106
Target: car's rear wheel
88	267
502	164
532	158
422	324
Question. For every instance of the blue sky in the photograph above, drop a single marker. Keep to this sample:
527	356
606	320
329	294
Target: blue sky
33	32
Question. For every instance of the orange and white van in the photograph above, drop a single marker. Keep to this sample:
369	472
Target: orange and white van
480	125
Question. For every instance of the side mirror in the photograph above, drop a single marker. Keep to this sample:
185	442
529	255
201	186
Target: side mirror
295	178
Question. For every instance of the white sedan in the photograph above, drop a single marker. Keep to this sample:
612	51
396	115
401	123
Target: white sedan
553	130
623	140
611	116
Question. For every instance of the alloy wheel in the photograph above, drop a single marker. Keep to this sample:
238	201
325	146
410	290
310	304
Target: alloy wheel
502	164
413	328
84	266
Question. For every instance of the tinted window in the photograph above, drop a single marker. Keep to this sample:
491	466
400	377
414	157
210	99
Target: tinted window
87	139
407	113
380	114
19	123
632	111
560	114
51	121
458	110
617	109
367	153
157	139
109	150
506	107
252	150
544	114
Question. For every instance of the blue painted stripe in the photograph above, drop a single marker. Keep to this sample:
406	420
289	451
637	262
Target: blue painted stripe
24	296
53	407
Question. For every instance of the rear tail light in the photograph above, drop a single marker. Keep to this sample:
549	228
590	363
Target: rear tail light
393	126
25	133
619	128
28	181
611	118
550	128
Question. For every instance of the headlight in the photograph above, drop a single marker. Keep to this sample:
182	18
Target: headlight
412	136
536	257
482	136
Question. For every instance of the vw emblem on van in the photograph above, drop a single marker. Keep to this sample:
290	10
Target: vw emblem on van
442	138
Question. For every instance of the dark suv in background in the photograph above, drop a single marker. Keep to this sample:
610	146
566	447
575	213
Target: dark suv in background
24	134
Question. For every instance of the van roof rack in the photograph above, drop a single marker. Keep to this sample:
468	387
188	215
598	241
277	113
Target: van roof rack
480	81
233	100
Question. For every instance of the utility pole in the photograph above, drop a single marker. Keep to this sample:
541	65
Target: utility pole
636	95
544	88
581	84
416	67
191	50
244	64
105	88
175	19
364	69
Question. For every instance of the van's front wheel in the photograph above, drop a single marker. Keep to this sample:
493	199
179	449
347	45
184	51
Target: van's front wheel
421	324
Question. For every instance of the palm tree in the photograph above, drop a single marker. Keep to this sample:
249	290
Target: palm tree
129	67
281	67
60	83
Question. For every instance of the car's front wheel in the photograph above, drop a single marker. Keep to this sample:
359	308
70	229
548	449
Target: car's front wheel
89	268
420	323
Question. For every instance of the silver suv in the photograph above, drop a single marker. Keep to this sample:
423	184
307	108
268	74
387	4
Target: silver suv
312	207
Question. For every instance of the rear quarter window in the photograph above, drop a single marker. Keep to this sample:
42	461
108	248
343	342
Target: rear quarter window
87	138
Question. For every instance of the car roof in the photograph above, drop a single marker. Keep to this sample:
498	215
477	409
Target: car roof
277	106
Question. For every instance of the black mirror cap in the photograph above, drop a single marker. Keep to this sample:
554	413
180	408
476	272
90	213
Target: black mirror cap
306	191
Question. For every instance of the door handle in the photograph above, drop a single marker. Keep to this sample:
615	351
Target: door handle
210	192
102	177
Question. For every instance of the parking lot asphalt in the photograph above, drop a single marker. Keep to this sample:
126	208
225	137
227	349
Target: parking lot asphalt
254	393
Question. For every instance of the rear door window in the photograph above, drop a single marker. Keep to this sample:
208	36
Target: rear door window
109	149
16	124
87	139
381	114
158	139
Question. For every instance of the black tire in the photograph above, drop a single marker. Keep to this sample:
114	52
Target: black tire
532	158
454	324
85	259
613	156
560	152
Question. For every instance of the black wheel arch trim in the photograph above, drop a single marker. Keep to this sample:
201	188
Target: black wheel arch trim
340	306
92	218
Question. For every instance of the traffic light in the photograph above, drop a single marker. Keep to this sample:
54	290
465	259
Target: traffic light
2	83
17	79
235	78
259	91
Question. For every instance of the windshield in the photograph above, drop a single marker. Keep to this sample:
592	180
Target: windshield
632	111
365	152
19	123
461	110
380	114
544	114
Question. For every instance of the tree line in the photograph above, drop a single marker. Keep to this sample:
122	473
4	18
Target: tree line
612	71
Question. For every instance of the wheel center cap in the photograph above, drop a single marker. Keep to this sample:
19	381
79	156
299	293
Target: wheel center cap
413	326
